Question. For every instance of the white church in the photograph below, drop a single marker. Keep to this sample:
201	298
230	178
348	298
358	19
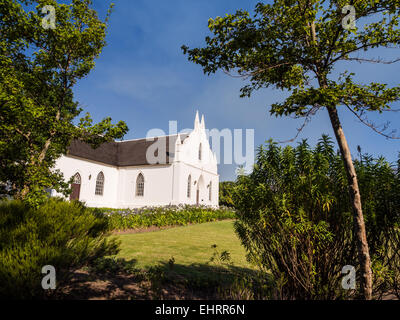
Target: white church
166	170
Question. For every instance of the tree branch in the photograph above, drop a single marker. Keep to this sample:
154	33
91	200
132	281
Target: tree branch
360	60
372	126
307	119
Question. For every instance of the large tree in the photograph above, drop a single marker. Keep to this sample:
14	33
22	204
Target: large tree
42	56
295	45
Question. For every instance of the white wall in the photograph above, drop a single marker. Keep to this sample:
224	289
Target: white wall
88	171
201	179
157	186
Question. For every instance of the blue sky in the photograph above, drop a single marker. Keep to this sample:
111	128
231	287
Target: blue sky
143	78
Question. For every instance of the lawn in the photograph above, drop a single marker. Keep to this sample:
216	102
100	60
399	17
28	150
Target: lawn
190	246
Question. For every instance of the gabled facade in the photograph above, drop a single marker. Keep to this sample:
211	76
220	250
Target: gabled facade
124	174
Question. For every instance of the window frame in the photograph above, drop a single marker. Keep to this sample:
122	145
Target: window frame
139	191
200	152
189	187
100	182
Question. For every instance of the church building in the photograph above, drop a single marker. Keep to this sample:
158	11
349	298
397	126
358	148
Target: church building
167	170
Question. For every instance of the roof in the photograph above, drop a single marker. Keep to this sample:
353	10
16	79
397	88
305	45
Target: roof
125	153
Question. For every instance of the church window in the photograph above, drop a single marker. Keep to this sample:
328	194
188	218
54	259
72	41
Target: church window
77	179
200	151
99	184
140	185
189	186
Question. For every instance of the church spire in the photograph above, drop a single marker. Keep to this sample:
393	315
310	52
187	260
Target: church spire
197	121
202	123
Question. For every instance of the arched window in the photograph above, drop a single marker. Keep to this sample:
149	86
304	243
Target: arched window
77	179
210	191
189	186
200	152
140	185
99	184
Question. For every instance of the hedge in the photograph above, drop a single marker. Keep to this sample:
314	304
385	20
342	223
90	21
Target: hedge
164	216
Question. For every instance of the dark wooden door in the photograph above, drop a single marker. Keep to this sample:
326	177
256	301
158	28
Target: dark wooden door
76	190
198	197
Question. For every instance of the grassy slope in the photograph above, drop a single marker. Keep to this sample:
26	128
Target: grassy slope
189	246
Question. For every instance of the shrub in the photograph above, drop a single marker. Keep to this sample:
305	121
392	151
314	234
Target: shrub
379	187
164	216
294	218
62	234
226	193
113	266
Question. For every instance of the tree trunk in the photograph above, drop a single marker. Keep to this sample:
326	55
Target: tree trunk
46	147
359	225
25	190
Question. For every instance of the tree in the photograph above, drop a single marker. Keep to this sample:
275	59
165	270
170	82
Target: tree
39	65
295	45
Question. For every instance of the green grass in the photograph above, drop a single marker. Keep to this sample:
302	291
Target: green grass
190	246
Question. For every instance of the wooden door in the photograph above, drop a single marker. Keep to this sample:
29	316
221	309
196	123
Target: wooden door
76	190
198	197
76	187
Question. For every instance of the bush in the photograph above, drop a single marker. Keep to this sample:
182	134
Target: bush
164	216
62	234
226	193
295	220
380	191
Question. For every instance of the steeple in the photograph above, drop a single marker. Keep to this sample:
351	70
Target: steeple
196	121
202	123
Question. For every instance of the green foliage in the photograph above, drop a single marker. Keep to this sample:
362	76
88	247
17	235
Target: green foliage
164	216
243	284
225	193
64	235
294	217
38	69
379	186
247	287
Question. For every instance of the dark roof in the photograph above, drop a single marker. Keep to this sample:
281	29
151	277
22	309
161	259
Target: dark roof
124	153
